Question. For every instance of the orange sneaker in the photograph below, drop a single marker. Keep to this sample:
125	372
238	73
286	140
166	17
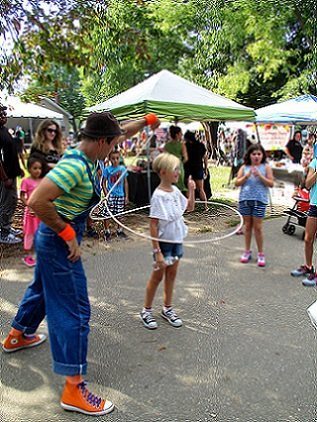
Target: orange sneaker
14	343
77	398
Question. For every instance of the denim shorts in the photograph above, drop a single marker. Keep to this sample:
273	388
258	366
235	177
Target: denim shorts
312	212
252	209
171	249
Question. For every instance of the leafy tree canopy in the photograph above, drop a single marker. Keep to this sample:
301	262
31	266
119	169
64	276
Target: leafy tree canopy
253	51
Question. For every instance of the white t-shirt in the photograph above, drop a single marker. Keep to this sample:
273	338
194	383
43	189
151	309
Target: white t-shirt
168	208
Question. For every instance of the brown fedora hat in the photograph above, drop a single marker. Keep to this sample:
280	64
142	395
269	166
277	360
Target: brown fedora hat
101	125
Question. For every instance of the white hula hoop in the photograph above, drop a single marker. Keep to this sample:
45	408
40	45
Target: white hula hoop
148	237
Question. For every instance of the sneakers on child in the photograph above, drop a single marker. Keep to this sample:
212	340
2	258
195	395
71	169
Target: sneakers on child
10	239
15	232
121	234
77	398
302	271
171	317
14	343
29	261
311	280
246	257
148	320
261	260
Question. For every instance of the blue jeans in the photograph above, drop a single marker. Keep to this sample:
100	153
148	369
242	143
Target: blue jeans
59	291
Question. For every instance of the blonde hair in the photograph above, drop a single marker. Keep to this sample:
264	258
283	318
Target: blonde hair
39	139
165	161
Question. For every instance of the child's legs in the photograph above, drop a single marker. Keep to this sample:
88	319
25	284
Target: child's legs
170	250
151	287
310	232
248	224
258	232
30	226
245	210
118	208
169	281
106	224
258	214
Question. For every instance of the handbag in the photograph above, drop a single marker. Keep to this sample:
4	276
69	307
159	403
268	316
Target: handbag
312	313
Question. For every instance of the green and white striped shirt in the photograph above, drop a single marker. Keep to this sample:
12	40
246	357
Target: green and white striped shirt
72	177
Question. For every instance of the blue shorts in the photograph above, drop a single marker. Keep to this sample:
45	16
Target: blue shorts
171	249
252	209
312	212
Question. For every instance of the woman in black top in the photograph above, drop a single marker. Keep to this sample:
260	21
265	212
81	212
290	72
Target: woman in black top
197	164
47	144
294	147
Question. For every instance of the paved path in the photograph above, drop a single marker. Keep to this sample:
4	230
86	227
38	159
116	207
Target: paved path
247	351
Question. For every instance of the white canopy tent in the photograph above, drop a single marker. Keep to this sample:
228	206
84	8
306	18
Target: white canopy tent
301	110
27	115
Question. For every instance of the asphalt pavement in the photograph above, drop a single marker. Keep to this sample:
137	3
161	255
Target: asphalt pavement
246	352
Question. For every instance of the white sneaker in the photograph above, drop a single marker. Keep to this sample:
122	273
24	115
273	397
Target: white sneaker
15	232
172	318
10	239
148	320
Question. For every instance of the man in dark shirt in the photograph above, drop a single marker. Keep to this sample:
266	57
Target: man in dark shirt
294	148
10	169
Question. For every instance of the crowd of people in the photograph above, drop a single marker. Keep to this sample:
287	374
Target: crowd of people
59	192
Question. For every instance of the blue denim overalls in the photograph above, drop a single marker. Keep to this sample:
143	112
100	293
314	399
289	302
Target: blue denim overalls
59	291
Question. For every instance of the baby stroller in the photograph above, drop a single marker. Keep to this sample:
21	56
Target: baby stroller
297	216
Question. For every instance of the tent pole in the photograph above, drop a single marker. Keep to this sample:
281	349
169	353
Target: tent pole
257	133
148	169
31	129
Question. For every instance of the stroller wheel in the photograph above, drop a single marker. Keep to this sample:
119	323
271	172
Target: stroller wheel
285	228
291	230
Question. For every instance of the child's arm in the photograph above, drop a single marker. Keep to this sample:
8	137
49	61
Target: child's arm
159	258
126	190
311	178
191	194
242	178
23	198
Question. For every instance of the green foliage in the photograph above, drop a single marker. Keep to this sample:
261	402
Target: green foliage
62	86
253	51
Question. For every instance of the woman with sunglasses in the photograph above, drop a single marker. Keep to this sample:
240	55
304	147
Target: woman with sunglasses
47	144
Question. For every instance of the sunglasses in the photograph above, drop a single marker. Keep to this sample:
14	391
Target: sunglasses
51	130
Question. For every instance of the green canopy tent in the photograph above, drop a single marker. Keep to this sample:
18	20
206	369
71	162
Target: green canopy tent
173	98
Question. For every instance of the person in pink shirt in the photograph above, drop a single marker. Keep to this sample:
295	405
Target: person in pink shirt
30	221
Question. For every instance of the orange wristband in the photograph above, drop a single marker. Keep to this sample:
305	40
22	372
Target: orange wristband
151	119
68	233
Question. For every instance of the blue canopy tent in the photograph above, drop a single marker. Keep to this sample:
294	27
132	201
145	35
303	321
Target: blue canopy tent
300	110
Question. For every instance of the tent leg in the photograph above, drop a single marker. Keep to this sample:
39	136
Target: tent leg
148	169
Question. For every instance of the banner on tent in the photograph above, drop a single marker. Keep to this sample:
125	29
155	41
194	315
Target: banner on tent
273	137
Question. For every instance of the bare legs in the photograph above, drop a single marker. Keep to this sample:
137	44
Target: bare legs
200	188
310	233
154	281
255	224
